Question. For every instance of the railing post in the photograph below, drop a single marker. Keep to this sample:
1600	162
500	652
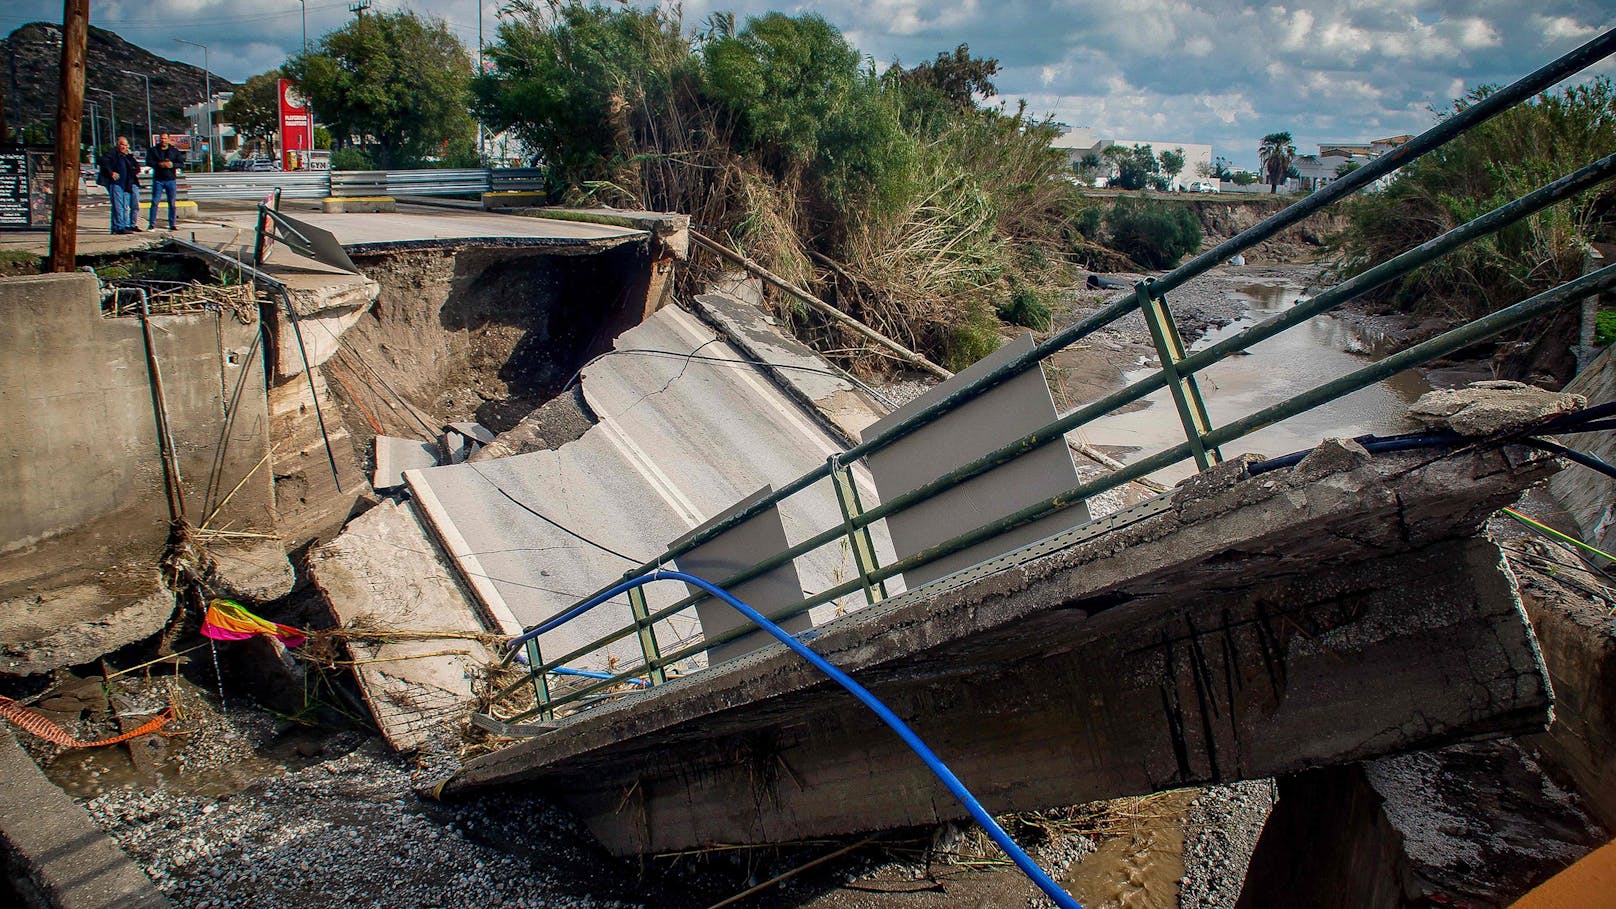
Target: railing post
1186	392
541	684
858	538
647	634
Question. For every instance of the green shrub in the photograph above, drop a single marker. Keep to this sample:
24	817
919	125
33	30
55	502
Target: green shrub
1605	328
1500	160
352	159
1026	308
1154	234
968	343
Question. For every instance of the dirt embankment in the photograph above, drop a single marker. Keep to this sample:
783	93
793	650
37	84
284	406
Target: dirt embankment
1224	215
1223	218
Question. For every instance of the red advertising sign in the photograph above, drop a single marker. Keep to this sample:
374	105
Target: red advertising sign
297	127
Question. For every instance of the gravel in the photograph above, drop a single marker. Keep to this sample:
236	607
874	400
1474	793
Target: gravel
1221	833
350	831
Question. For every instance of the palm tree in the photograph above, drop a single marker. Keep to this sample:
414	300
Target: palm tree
1276	154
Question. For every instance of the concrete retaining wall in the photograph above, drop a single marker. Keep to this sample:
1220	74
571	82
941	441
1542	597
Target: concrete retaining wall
86	514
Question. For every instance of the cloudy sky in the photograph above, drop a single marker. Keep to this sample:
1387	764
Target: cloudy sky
1213	71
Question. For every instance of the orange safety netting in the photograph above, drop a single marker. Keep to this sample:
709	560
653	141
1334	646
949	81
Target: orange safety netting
29	721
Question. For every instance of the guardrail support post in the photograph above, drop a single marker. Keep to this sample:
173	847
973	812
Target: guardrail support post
1186	393
647	634
541	685
858	538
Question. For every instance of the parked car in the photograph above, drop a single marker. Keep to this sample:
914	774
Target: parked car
262	164
1203	186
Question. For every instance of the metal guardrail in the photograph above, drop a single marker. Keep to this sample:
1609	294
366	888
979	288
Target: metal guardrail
516	179
1179	367
409	182
254	185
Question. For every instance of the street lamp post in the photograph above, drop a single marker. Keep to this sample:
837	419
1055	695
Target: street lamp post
479	73
148	101
207	100
305	5
95	130
112	116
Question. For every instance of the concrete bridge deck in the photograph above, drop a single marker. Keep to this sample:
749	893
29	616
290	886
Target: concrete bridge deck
1238	627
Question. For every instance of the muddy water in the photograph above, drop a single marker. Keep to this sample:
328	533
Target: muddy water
1294	361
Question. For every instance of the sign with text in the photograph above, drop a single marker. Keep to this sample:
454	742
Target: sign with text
178	140
27	188
297	127
15	208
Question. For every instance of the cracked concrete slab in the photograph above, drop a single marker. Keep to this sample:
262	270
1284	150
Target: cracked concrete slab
635	481
418	640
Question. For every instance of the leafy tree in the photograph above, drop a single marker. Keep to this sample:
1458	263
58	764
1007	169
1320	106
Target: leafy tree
1347	167
1221	169
1088	167
581	84
1154	234
958	78
396	82
1137	166
1172	163
1243	178
352	159
1275	154
255	107
784	77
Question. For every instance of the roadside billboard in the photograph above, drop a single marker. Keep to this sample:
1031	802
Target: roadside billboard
297	127
179	140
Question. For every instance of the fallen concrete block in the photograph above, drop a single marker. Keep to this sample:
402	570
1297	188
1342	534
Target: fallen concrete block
256	570
476	432
1492	407
414	629
1472	825
395	455
1578	637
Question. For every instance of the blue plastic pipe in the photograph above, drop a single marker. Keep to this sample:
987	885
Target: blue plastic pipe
591	674
931	760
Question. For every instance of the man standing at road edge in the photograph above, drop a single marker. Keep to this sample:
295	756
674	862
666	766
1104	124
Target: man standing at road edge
120	174
164	160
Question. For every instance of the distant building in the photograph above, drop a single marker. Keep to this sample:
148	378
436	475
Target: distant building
1082	141
1317	171
1322	169
208	124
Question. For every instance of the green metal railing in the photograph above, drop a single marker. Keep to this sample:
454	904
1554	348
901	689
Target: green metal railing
1179	367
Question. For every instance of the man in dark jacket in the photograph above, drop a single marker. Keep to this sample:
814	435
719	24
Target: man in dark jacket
165	161
120	174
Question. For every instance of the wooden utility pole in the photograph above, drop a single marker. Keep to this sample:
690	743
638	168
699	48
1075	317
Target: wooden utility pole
69	115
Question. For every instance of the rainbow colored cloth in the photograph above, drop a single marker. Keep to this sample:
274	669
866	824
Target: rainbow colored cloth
227	620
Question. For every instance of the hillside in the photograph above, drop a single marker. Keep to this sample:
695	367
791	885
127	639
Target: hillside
30	87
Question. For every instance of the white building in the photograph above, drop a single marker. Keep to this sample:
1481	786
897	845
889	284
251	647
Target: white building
208	125
1082	141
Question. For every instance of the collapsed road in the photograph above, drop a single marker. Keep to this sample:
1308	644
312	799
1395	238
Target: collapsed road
1248	624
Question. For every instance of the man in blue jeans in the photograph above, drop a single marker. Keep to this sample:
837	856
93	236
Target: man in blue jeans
165	161
120	174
